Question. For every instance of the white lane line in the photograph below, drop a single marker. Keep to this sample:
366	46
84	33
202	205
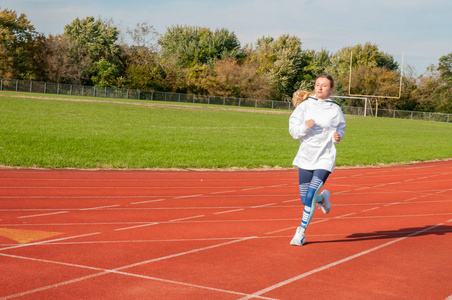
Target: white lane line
223	192
40	215
264	205
100	207
278	185
287	201
343	192
374	208
189	196
363	188
149	201
253	188
338	262
343	216
187	218
118	271
185	253
137	226
228	211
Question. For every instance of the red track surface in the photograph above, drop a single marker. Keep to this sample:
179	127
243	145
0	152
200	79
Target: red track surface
224	235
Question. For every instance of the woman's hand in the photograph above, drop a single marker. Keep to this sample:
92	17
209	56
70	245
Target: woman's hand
309	123
337	137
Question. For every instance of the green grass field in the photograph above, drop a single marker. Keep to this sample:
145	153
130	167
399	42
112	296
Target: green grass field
121	134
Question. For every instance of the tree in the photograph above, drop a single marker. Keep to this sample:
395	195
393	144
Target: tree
426	85
367	60
143	67
315	64
58	66
89	41
443	92
231	78
186	46
105	73
20	46
283	61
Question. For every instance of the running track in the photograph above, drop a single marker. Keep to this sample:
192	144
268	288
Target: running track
149	234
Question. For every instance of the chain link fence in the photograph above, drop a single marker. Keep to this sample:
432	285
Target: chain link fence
108	92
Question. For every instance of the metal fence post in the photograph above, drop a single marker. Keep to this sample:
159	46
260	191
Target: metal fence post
17	85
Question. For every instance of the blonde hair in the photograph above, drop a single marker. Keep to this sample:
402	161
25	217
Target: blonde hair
300	96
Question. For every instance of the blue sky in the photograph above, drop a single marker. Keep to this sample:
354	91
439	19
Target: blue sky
421	29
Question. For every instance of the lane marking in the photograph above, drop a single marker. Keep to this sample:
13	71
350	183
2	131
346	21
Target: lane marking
118	271
263	205
254	188
228	211
223	192
287	201
137	226
41	215
374	208
189	196
187	218
338	262
149	201
100	207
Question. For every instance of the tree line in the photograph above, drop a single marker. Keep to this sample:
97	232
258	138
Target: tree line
198	60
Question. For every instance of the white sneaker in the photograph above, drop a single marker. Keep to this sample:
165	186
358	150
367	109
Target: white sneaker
326	206
298	238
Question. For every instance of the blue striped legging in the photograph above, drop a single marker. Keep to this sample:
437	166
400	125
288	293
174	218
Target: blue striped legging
309	181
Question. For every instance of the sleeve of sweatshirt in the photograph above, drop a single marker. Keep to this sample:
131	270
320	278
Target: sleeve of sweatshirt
297	127
341	127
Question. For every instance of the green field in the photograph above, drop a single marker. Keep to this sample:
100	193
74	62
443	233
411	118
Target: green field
37	132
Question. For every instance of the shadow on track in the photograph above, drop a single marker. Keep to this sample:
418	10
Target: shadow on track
392	234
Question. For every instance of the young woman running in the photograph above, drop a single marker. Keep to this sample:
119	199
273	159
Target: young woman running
318	123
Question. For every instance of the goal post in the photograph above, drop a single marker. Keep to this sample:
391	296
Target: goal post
352	105
374	96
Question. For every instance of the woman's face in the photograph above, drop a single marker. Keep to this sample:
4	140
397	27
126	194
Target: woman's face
323	88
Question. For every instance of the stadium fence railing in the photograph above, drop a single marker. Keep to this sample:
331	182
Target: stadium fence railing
109	92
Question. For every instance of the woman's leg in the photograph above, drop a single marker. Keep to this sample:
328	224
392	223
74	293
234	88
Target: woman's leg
304	180
308	181
318	177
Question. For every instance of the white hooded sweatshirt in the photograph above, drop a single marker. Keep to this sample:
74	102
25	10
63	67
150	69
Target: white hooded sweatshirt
317	150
